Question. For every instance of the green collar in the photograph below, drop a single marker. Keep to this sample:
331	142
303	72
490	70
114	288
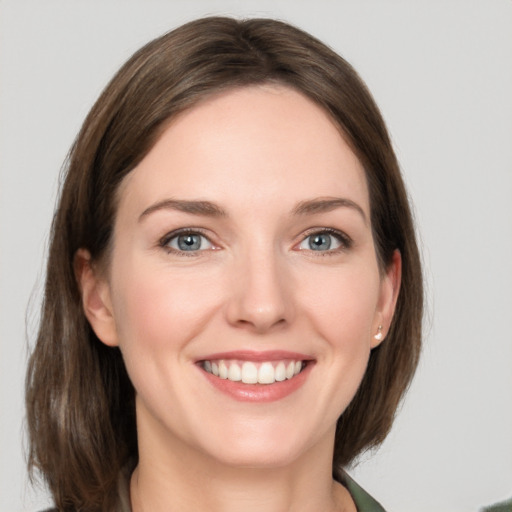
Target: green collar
364	502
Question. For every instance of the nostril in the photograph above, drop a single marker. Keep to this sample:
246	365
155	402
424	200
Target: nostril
260	324
259	298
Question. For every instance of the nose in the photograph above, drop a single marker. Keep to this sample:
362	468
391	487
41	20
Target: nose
260	298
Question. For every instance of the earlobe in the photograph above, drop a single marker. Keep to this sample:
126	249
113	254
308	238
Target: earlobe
390	288
96	301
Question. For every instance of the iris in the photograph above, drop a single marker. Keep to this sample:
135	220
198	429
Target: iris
189	242
320	242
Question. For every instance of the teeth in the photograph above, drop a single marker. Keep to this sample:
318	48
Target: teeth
223	370
249	373
253	373
280	373
290	369
266	374
234	373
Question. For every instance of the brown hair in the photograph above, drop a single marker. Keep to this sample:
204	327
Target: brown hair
80	402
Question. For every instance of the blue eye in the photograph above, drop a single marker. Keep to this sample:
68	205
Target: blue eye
188	242
320	242
323	241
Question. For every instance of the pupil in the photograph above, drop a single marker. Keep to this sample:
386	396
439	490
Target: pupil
189	242
320	242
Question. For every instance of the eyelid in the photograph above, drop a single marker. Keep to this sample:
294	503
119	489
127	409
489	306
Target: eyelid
345	241
166	239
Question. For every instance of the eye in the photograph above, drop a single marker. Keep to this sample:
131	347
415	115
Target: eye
324	241
189	241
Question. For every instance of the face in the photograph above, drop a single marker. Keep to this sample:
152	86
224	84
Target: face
243	287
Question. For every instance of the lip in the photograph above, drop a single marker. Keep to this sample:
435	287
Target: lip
256	356
261	393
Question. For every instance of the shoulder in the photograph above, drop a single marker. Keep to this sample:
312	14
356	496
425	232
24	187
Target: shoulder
504	506
364	502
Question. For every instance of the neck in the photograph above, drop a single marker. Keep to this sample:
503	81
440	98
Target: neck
174	476
234	490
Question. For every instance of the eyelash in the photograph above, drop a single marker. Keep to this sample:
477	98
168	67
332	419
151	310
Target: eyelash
166	239
345	241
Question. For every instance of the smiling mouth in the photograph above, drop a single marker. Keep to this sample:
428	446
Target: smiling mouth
252	372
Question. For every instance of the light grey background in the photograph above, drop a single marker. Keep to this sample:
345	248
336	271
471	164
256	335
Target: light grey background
441	72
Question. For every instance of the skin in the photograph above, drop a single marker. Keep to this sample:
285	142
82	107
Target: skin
255	284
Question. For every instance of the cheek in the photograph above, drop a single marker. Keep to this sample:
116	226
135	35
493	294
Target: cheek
341	313
157	309
344	307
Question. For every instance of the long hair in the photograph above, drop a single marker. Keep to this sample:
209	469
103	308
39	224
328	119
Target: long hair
80	401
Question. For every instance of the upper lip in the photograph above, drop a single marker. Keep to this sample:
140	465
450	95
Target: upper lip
252	355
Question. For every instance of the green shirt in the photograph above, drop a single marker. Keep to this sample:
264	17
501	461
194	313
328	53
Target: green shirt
364	502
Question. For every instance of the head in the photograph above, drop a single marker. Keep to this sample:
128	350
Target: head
81	402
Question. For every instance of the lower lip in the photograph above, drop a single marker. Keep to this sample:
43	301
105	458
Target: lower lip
259	392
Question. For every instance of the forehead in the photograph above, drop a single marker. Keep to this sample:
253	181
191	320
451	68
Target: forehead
249	145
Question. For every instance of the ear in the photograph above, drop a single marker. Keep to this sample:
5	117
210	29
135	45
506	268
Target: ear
389	289
96	301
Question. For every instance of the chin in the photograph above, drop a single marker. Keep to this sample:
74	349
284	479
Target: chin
258	456
269	446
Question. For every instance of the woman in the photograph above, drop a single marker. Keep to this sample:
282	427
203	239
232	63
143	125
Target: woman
233	298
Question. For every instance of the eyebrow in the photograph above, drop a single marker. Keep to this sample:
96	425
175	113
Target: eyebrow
209	209
327	204
205	208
